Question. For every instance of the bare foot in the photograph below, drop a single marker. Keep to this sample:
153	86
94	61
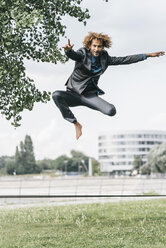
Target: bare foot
78	128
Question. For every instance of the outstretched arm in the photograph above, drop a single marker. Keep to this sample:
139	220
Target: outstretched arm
156	54
76	56
132	58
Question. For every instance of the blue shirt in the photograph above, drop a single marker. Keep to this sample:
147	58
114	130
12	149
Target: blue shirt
96	66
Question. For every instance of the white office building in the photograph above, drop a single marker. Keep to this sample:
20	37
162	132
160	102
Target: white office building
116	151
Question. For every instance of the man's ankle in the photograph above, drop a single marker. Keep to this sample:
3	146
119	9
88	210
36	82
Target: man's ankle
77	123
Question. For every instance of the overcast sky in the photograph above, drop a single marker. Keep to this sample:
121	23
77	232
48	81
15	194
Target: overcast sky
138	91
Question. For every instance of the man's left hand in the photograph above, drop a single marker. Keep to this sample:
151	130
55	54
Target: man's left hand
156	54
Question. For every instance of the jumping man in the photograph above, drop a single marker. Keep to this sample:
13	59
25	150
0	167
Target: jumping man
82	89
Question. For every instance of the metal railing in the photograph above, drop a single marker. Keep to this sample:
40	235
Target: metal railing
79	187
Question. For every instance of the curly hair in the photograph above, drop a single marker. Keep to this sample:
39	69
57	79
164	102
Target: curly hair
99	36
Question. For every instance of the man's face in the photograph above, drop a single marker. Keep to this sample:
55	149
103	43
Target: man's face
96	47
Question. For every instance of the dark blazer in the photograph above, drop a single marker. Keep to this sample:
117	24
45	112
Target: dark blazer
82	74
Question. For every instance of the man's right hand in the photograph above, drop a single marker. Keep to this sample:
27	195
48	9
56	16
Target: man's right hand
68	46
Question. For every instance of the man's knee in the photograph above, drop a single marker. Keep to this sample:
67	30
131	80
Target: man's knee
56	95
112	111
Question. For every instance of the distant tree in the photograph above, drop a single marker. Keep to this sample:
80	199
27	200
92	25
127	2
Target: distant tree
29	157
157	159
61	162
137	163
145	169
46	164
10	167
4	160
78	159
78	162
20	159
95	167
25	159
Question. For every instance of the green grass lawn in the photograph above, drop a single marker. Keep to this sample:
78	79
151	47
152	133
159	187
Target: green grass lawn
137	224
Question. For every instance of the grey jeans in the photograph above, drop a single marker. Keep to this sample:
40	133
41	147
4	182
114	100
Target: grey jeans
66	99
